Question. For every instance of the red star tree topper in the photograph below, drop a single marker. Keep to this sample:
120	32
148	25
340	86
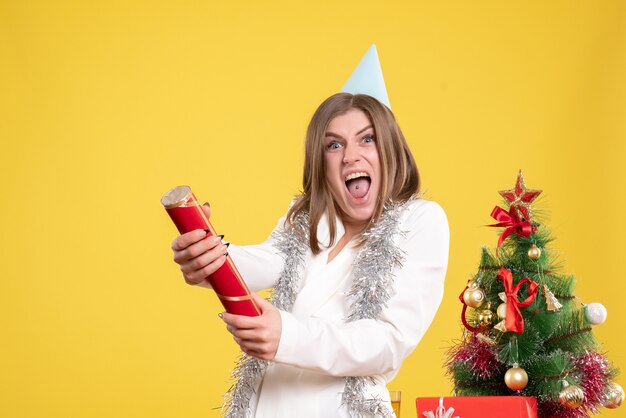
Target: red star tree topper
519	199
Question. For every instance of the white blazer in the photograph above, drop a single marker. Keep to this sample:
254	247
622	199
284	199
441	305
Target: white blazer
318	348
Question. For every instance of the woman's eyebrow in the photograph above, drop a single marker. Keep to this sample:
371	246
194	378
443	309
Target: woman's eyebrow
334	135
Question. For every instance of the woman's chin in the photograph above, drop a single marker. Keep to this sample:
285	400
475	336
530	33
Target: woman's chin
358	215
359	209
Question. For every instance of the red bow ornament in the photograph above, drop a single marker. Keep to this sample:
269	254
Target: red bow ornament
514	320
513	224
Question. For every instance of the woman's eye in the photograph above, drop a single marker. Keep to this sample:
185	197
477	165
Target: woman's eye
333	145
368	139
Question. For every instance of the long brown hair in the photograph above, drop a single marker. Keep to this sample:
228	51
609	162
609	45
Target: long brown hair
400	178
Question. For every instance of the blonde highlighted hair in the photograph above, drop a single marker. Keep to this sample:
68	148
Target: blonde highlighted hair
400	178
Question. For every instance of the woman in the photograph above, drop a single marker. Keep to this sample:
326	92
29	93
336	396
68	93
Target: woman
357	266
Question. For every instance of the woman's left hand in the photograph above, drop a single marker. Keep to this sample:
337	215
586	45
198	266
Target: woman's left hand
258	336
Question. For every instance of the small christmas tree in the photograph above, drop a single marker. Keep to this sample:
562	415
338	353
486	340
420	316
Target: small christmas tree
526	333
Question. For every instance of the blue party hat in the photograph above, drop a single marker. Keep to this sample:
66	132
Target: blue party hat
367	78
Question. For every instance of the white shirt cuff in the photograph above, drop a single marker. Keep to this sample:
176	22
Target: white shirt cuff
288	337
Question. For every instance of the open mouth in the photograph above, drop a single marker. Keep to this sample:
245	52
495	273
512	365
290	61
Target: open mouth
358	184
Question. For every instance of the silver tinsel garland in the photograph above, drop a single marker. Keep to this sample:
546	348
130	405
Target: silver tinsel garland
372	281
370	291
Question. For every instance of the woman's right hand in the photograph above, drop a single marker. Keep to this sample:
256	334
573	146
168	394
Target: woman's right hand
199	256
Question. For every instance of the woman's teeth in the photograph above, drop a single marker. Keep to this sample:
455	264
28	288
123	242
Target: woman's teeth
356	176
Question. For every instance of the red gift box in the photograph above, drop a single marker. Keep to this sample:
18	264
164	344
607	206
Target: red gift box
480	406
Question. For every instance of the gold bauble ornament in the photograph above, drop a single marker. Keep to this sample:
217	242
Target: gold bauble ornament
485	318
501	311
571	396
473	295
614	396
534	252
516	378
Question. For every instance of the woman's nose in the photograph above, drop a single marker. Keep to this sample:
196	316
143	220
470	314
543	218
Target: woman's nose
351	154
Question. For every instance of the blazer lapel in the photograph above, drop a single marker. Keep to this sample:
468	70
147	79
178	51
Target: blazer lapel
323	280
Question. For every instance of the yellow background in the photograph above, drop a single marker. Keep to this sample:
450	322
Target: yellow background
105	105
